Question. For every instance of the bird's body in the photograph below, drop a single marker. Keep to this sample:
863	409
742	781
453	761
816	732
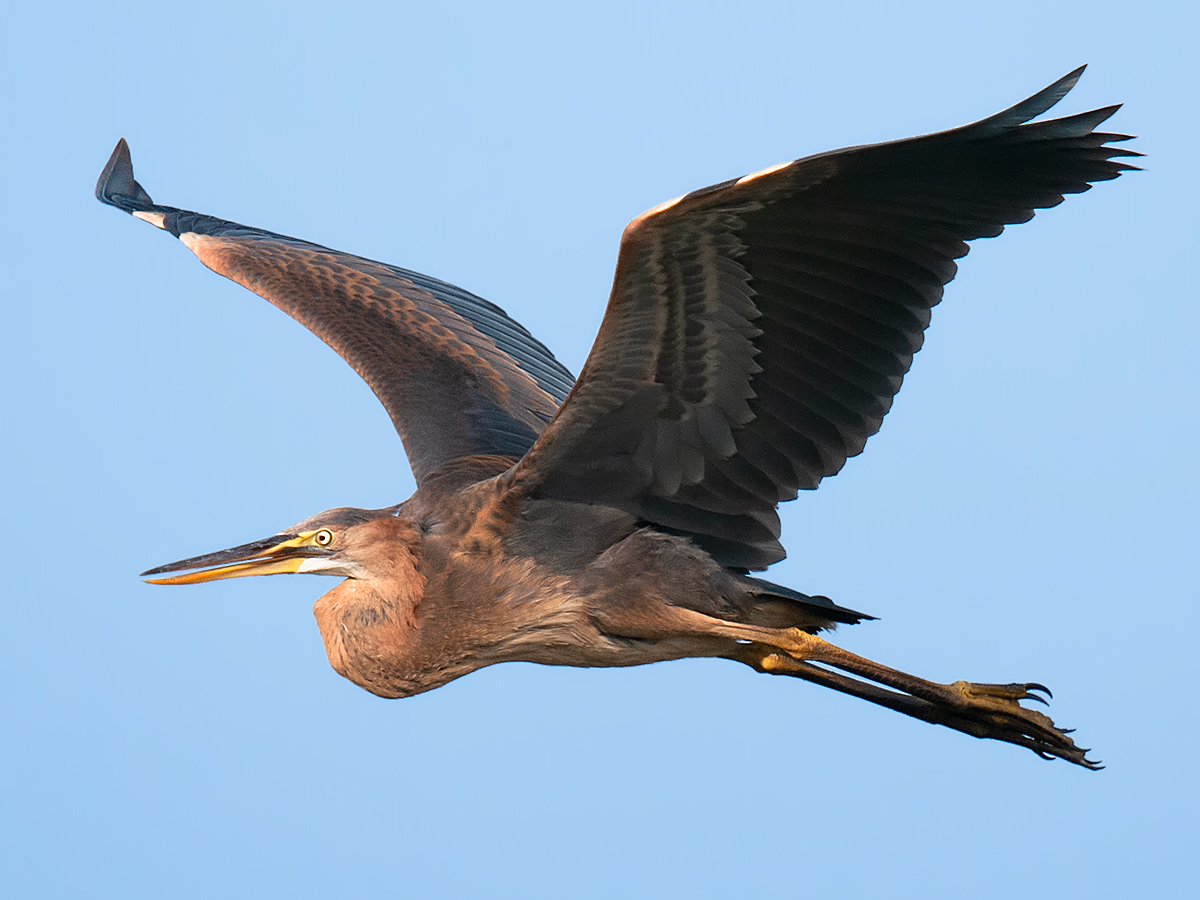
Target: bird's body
470	573
756	334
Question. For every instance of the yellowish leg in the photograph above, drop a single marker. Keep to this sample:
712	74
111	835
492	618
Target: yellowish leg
982	710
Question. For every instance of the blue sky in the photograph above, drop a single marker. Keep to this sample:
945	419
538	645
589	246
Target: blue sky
1027	512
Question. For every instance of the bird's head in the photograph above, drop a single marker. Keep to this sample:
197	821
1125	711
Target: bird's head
352	543
367	619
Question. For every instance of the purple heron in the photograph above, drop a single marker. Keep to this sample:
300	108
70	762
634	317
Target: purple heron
755	336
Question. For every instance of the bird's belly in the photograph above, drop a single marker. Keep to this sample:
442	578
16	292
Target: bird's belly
570	634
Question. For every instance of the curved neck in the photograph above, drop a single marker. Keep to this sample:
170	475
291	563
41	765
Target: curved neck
367	630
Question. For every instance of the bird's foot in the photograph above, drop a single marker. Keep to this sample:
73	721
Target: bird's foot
995	711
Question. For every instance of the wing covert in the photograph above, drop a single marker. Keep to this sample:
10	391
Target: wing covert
457	376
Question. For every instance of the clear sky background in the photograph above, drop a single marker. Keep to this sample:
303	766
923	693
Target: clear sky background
1029	511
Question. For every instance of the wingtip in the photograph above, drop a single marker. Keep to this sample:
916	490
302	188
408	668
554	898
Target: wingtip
116	185
1064	85
1031	107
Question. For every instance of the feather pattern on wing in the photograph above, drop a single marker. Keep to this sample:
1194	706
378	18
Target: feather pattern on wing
759	329
457	376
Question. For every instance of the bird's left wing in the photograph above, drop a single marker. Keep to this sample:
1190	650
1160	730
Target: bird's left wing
457	376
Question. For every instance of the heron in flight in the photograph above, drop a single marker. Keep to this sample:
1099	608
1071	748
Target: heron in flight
755	336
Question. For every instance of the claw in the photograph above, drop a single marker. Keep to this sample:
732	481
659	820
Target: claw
995	711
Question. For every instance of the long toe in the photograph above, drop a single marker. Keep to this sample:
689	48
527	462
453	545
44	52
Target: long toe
995	711
1016	691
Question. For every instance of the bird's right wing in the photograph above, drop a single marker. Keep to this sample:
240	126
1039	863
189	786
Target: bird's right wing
758	329
457	376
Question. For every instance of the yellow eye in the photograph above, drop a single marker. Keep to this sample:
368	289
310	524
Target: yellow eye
323	538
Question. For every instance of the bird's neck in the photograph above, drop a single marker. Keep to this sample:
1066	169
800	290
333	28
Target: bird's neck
370	629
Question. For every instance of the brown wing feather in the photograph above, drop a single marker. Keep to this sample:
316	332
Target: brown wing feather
456	375
758	329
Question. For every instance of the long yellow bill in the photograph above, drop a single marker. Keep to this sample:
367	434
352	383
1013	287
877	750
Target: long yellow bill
277	555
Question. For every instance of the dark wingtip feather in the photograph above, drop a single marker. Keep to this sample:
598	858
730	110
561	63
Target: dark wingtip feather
116	185
1077	125
1030	108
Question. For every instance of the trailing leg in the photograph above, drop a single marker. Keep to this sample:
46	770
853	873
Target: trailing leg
981	710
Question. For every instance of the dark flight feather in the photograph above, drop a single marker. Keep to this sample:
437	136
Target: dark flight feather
758	329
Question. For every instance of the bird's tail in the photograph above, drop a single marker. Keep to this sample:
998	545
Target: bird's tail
772	605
